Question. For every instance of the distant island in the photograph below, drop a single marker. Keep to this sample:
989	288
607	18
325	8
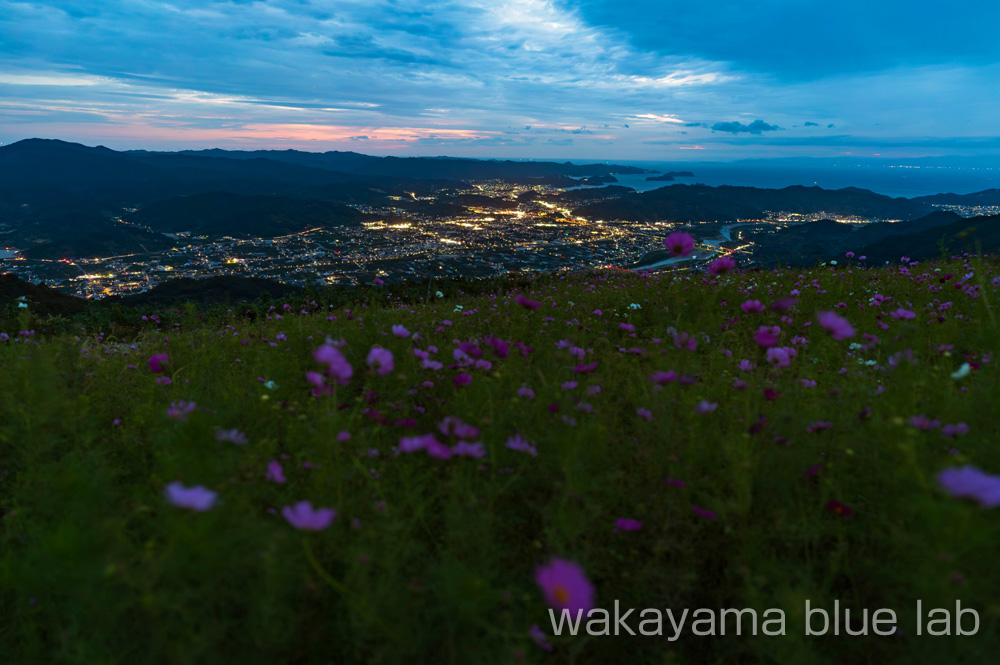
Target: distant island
669	177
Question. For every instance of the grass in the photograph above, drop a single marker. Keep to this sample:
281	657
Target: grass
434	560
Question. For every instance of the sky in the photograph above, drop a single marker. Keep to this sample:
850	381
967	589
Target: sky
697	80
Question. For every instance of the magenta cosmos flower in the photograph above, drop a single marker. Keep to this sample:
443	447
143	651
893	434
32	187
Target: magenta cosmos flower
380	360
337	365
565	586
527	304
767	336
679	243
627	524
158	363
400	331
838	326
721	266
752	306
306	518
197	498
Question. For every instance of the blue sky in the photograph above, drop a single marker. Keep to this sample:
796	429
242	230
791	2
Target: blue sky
600	79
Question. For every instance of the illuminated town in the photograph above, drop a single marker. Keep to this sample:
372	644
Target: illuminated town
517	228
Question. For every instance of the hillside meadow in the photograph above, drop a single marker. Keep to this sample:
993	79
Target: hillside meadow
420	475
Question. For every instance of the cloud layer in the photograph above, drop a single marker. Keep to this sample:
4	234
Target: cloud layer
517	78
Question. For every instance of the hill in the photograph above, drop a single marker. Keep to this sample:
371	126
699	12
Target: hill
687	203
41	299
226	214
212	291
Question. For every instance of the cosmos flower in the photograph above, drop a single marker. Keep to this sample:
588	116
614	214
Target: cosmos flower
179	411
380	360
721	266
519	444
701	512
158	363
627	524
752	306
195	498
538	635
838	508
275	474
970	482
231	435
526	303
400	331
679	243
337	365
306	518
565	586
704	406
767	336
838	327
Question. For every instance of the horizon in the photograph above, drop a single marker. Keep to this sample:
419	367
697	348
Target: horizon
517	79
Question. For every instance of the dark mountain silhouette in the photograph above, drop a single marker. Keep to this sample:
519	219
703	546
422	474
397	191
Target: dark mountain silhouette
973	234
988	197
423	167
206	291
686	203
824	240
40	299
226	214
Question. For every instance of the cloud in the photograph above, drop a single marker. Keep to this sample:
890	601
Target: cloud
812	124
734	127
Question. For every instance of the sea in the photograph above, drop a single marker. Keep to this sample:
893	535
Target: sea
889	180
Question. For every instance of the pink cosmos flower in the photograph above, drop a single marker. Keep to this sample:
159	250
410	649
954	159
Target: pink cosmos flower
721	266
525	392
179	411
195	498
466	449
784	304
158	363
659	377
818	426
380	360
752	306
951	431
565	586
520	445
525	303
539	637
701	512
838	508
903	314
767	336
781	356
306	518
400	331
462	379
275	473
585	368
337	365
628	327
679	243
837	325
924	423
627	524
645	414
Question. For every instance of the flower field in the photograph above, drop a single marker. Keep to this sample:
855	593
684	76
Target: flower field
420	477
